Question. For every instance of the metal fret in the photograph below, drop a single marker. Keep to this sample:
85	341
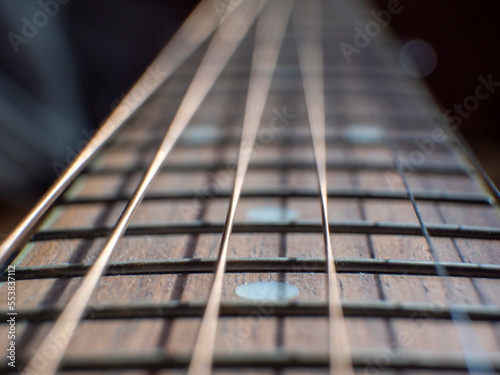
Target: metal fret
425	168
354	193
389	92
176	309
263	265
436	362
404	142
361	227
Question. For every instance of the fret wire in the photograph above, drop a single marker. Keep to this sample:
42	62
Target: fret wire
194	309
354	193
363	359
377	73
469	342
344	227
309	50
271	27
404	142
425	168
223	44
404	130
261	265
378	91
411	119
193	32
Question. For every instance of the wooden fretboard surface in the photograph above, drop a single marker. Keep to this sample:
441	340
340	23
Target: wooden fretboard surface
146	311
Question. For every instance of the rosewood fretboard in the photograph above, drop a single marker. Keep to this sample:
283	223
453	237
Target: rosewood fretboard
414	229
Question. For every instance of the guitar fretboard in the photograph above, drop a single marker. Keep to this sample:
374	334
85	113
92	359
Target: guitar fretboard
412	278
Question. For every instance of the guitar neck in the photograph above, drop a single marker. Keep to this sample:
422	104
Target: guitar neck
398	254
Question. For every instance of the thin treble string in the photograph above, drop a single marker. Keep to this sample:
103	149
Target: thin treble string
464	147
307	25
194	31
269	35
226	39
469	342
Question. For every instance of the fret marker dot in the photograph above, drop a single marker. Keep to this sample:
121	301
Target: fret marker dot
363	133
267	291
271	213
201	134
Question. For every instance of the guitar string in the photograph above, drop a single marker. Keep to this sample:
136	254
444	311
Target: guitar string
459	142
271	27
464	147
469	342
307	26
223	44
194	31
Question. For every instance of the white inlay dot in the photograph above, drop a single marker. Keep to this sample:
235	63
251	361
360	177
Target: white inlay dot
201	134
271	213
267	291
363	133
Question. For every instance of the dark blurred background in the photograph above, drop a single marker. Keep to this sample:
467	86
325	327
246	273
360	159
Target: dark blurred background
61	75
466	38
